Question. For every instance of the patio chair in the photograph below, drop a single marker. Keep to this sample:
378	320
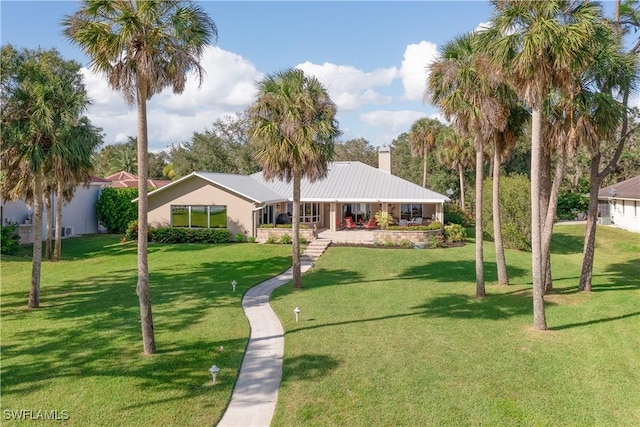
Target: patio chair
417	221
372	224
349	224
404	223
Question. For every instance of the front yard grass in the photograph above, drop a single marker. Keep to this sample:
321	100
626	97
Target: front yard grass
397	338
81	351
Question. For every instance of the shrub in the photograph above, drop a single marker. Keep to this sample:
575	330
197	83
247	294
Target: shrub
239	237
115	210
434	242
251	239
189	235
570	204
285	239
435	225
454	233
302	240
271	238
453	214
132	231
384	219
281	226
406	244
515	211
10	239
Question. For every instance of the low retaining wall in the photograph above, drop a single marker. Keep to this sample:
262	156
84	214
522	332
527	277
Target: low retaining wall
264	233
396	236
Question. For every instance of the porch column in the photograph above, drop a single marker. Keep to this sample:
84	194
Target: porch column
332	216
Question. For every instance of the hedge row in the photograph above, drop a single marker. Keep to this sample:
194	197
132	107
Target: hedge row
435	225
281	226
181	234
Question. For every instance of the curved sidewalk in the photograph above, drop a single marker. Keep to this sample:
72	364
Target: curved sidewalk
255	394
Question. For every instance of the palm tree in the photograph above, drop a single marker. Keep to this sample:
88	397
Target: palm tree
503	141
142	47
71	164
621	74
456	152
463	85
422	138
292	133
523	37
124	159
42	97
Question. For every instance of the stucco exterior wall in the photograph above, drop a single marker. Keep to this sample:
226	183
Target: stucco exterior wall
196	191
626	214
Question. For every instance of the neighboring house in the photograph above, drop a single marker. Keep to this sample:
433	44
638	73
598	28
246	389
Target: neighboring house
124	179
619	204
78	216
242	203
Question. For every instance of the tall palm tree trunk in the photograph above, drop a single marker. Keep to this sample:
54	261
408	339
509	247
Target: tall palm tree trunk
48	203
424	170
58	238
501	263
547	229
539	320
480	288
545	197
461	175
295	230
34	290
143	289
588	250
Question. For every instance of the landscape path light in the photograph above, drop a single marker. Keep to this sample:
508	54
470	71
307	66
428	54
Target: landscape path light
297	313
233	285
214	371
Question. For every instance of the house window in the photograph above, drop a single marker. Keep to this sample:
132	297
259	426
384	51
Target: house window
199	216
309	212
359	212
267	215
410	211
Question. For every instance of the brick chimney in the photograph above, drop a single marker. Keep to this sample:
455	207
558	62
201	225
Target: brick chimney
384	158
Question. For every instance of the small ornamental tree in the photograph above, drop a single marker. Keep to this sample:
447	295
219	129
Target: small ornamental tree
115	209
514	210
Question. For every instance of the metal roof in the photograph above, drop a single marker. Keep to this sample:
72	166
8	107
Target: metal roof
242	185
355	182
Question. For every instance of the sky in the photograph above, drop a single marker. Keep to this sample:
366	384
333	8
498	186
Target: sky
372	57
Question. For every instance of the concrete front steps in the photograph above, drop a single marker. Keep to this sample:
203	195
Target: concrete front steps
315	248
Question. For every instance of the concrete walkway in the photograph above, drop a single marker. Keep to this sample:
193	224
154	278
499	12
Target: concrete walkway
255	395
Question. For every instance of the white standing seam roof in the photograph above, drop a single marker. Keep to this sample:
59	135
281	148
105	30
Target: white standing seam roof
242	185
355	182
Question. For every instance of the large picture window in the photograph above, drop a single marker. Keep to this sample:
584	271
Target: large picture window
199	216
309	212
410	211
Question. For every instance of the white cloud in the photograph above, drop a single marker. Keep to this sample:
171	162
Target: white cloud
228	86
389	124
349	87
414	70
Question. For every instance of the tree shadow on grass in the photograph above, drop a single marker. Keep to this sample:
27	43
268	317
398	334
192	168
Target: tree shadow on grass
595	321
564	243
307	366
623	276
495	307
101	320
458	271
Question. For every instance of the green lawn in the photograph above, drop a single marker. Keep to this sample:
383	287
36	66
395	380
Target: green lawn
386	337
397	338
81	351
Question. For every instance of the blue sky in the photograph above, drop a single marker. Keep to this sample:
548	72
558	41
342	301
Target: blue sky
370	55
